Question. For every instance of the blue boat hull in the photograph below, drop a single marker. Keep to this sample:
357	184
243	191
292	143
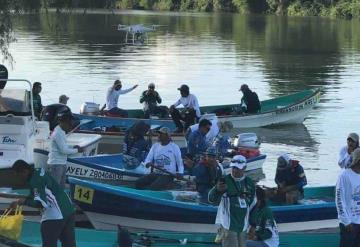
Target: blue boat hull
139	205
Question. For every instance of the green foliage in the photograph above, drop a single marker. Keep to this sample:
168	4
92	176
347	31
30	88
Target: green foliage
164	5
146	4
224	5
204	5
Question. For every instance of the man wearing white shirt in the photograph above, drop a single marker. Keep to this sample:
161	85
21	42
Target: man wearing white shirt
59	149
165	159
347	198
191	112
345	152
112	98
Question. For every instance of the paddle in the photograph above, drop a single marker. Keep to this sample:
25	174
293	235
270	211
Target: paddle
147	237
167	172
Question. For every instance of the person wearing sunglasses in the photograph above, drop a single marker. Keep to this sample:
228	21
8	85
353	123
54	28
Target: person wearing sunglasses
235	195
345	152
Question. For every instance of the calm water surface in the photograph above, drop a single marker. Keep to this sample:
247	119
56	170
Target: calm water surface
81	55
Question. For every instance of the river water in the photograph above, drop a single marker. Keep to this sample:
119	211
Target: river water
81	55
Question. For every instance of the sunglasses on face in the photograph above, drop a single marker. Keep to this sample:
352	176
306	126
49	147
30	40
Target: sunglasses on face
238	161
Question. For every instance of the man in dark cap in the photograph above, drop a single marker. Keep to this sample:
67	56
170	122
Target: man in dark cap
191	112
151	98
36	90
250	101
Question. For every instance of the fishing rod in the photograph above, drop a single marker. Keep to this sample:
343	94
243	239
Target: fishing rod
167	172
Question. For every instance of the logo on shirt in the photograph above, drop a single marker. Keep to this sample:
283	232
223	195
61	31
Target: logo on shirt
162	160
356	195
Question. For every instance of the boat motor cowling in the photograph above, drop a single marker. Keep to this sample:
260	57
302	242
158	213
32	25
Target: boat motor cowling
50	114
246	140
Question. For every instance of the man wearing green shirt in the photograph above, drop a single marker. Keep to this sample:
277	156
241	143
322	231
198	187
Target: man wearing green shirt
235	195
57	221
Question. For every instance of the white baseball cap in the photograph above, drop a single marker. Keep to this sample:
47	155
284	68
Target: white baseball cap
238	161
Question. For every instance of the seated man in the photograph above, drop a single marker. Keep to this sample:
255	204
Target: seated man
250	101
290	179
151	98
112	98
196	142
165	159
191	112
135	146
207	172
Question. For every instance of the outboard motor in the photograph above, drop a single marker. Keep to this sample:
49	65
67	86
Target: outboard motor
90	108
50	113
3	75
247	145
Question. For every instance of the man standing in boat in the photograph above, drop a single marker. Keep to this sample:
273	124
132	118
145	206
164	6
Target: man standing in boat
151	98
347	198
250	101
191	112
196	141
235	195
290	179
59	149
112	98
165	161
57	211
38	107
345	153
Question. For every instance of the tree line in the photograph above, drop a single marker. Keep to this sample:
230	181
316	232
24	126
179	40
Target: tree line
334	8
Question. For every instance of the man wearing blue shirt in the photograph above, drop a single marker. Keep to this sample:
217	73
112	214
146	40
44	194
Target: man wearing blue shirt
290	179
196	142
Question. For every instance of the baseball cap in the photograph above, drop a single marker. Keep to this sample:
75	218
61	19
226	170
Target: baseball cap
151	85
355	157
244	87
354	137
184	87
283	161
117	82
238	161
63	97
164	130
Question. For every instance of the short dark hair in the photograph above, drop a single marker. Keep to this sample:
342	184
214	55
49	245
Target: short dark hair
20	165
37	84
204	122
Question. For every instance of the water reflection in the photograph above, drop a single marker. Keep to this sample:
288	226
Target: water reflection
292	135
81	55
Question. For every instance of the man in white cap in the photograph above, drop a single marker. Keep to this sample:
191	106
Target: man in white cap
63	99
290	179
345	152
347	198
235	194
112	98
151	98
165	161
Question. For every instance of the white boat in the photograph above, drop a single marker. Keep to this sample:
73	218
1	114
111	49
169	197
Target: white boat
20	133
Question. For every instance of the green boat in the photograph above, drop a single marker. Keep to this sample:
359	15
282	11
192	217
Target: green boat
288	109
94	238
